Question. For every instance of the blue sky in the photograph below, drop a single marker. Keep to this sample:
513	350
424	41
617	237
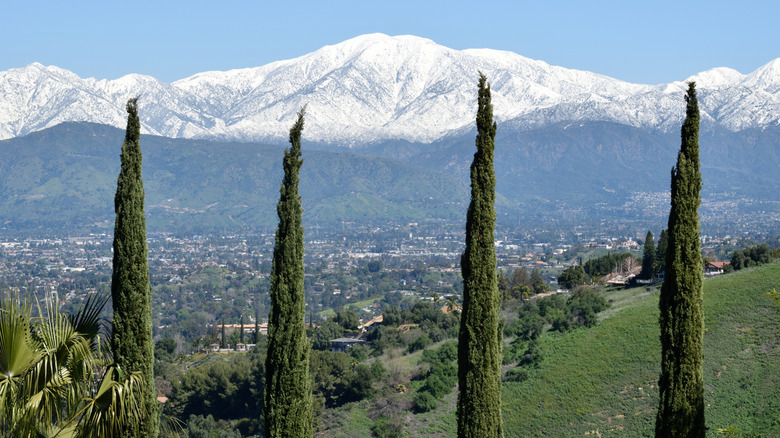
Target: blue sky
647	42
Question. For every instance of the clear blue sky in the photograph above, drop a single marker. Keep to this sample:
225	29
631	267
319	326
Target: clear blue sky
647	42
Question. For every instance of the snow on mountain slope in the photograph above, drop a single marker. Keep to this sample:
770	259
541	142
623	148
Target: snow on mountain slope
376	87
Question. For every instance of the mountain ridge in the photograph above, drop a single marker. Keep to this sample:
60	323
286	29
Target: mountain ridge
64	177
375	88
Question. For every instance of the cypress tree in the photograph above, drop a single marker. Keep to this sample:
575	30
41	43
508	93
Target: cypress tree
257	328
241	334
479	340
660	252
222	343
132	343
648	257
287	398
681	385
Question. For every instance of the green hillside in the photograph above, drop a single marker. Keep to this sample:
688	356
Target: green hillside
602	381
65	178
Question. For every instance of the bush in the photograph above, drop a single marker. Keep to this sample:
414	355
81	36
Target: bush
384	337
572	277
359	352
516	375
420	343
328	330
207	427
585	304
514	352
378	370
448	352
436	386
532	356
424	402
358	385
385	427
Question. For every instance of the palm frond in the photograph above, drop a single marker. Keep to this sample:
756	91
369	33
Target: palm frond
114	405
19	351
87	321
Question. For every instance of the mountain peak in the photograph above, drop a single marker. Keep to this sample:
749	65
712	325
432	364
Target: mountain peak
717	77
375	88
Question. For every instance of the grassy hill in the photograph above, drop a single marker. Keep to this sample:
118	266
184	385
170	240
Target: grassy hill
602	381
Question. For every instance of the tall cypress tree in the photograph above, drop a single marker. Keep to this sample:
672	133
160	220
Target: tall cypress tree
648	257
660	252
681	385
222	338
287	398
132	342
241	334
479	340
257	328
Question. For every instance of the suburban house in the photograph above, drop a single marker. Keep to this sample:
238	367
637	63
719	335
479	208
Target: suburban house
366	326
714	268
341	345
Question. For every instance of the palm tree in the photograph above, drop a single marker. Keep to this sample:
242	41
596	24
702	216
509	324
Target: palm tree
55	376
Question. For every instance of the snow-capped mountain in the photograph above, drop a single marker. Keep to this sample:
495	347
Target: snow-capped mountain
374	88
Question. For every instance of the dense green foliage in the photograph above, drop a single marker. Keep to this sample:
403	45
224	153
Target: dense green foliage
287	398
325	332
164	350
227	387
753	256
479	340
55	379
648	258
199	426
429	322
520	285
572	276
681	384
338	379
439	379
347	319
606	264
132	344
660	252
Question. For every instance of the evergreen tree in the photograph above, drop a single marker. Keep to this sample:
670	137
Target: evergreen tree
537	281
681	385
241	334
572	277
660	252
648	257
479	346
257	328
222	338
132	343
520	277
288	398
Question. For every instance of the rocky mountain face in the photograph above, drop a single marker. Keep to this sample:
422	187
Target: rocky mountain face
376	88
